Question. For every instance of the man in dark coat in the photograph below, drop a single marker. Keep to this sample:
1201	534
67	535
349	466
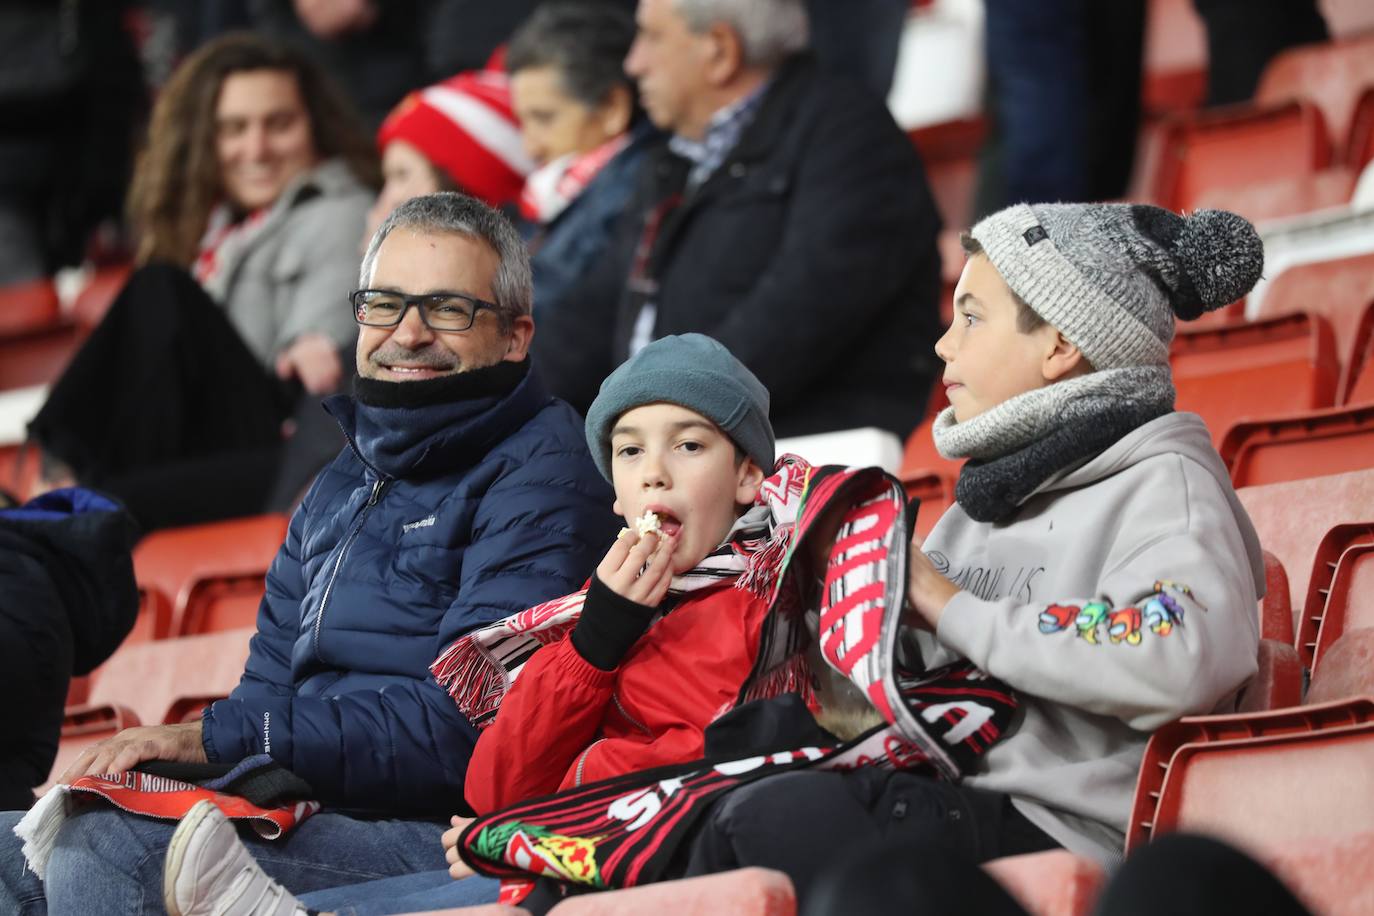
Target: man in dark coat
788	218
67	599
466	494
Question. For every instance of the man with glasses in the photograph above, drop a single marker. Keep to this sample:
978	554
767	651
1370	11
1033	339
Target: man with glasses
466	494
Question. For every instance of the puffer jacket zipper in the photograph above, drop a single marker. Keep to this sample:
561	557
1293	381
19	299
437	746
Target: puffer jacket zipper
378	488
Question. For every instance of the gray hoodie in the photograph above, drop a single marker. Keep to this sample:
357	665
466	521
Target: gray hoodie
1120	597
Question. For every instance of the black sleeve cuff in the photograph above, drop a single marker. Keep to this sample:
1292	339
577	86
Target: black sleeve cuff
610	624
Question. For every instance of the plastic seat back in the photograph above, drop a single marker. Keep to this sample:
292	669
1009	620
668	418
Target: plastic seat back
149	677
1258	368
1339	289
1284	197
1309	444
1326	563
1332	75
1359	370
1175	64
1053	883
1359	139
1276	607
1238	146
1293	517
1347	669
36	357
742	892
1244	789
27	307
1350	605
176	559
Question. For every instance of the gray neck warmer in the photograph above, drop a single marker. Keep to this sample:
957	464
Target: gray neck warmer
1019	444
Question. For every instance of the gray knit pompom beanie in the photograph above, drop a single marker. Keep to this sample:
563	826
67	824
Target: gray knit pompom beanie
1113	277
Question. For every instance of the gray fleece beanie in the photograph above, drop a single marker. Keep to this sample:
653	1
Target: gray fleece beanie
1112	277
692	371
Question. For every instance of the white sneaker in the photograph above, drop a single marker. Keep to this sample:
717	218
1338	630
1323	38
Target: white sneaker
209	872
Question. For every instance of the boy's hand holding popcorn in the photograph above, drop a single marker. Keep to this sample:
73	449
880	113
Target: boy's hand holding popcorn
624	594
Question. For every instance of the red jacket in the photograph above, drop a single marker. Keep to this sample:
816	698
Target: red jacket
565	722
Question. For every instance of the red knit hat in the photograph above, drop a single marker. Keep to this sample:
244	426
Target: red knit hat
465	126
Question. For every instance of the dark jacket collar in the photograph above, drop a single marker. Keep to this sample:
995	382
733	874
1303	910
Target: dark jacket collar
435	437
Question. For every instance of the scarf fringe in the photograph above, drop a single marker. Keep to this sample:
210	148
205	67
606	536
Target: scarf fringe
760	577
792	676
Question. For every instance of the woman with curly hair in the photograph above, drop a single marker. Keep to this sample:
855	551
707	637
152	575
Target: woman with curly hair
247	204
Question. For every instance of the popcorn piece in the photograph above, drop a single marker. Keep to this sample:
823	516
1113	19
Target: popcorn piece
648	522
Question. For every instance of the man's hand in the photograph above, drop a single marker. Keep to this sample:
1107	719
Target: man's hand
314	359
620	570
135	745
457	868
927	591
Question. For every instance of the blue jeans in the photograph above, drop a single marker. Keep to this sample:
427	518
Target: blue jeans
417	893
106	861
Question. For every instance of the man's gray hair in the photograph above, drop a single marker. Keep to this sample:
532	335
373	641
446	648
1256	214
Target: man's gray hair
769	30
452	212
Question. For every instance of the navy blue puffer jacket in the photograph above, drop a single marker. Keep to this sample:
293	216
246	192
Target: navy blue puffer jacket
435	521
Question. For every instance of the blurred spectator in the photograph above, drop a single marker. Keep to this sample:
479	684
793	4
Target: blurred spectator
859	38
1064	82
1242	39
70	94
464	33
67	599
256	179
580	121
458	135
374	49
789	218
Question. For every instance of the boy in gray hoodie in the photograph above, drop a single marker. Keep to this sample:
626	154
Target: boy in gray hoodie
1097	560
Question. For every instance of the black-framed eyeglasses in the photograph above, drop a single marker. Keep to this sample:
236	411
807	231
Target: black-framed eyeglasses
443	312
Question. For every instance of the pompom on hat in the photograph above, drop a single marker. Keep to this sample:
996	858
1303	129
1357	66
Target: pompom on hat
466	128
1112	278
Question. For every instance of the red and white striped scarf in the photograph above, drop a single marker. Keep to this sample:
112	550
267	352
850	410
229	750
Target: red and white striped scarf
550	188
480	667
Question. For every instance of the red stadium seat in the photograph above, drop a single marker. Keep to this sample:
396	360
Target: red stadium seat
743	892
1255	368
200	565
1359	373
36	357
1359	140
1175	64
18	471
1331	75
1054	883
1283	197
1276	609
1339	290
1347	669
1326	562
1308	444
28	307
1333	876
1293	517
149	678
1234	776
1235	147
1277	682
1350	606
